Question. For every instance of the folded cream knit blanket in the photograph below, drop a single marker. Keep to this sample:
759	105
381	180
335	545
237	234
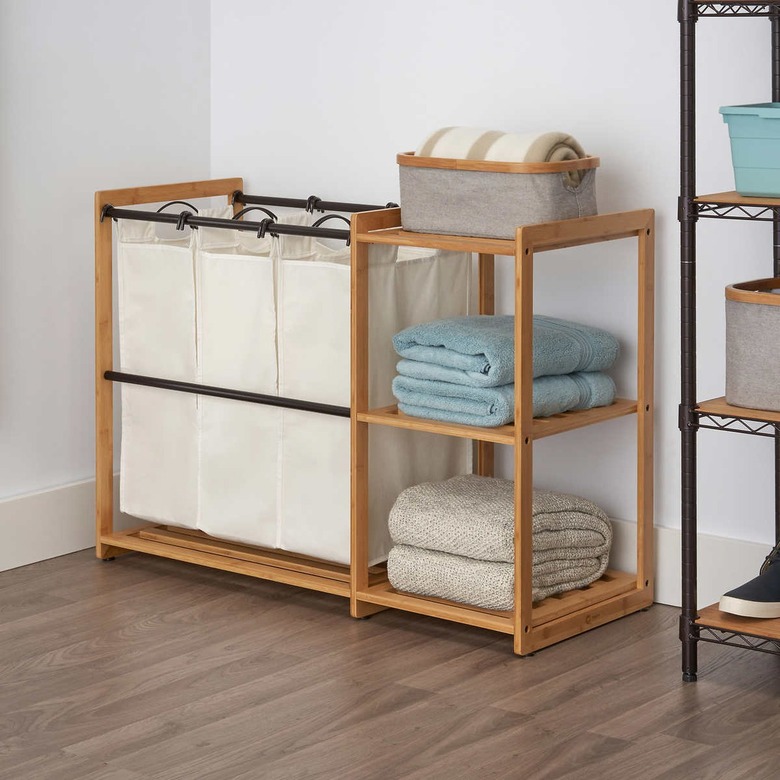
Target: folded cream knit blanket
465	526
486	584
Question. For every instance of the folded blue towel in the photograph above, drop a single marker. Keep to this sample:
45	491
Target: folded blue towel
480	350
493	406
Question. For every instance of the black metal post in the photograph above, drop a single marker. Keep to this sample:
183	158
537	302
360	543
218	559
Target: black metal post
224	392
775	21
688	419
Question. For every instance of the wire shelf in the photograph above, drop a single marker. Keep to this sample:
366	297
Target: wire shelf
757	213
735	9
737	639
738	425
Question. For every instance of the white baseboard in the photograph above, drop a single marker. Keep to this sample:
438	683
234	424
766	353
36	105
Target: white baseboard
723	563
55	522
51	523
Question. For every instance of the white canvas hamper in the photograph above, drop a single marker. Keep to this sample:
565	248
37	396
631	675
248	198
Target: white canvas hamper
407	286
237	495
160	443
272	316
753	344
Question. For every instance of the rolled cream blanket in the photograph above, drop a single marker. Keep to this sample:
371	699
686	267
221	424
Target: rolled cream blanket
471	143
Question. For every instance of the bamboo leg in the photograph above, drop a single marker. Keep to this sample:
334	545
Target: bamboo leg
645	308
523	471
104	397
359	430
487	305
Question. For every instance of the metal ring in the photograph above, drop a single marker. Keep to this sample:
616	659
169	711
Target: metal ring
255	208
174	202
332	216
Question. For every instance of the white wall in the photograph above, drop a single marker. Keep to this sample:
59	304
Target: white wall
93	95
306	98
341	88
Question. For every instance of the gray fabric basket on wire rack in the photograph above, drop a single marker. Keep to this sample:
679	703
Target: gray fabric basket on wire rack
753	344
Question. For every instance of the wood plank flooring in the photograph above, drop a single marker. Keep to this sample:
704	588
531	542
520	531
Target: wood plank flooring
143	668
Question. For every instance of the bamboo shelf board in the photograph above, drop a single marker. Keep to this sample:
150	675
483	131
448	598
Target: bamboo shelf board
569	421
275	557
389	415
719	408
564	605
733	198
612	583
385	595
278	566
759	627
599	614
503	434
400	237
542	237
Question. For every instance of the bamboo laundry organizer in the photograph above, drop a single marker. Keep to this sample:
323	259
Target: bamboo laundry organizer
160	539
533	626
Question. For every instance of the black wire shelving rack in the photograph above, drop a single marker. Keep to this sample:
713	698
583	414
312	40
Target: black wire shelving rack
709	624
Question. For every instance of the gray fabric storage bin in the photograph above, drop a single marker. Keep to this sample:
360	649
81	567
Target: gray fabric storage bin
753	344
492	199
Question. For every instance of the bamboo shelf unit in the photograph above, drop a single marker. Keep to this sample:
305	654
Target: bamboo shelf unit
533	626
155	539
709	624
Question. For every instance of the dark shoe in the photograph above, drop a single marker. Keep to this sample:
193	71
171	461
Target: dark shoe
773	557
759	598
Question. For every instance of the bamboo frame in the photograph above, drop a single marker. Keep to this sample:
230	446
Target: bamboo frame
756	291
176	543
532	626
409	159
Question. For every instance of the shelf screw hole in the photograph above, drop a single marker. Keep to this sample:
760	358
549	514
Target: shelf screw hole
647	407
648	231
527	440
647	582
525	630
527	251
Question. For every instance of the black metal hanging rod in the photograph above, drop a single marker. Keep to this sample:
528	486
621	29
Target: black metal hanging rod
188	219
224	392
312	203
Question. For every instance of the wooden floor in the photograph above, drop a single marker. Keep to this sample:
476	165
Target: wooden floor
145	668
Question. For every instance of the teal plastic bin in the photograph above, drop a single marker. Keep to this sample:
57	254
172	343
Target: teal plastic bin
755	147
